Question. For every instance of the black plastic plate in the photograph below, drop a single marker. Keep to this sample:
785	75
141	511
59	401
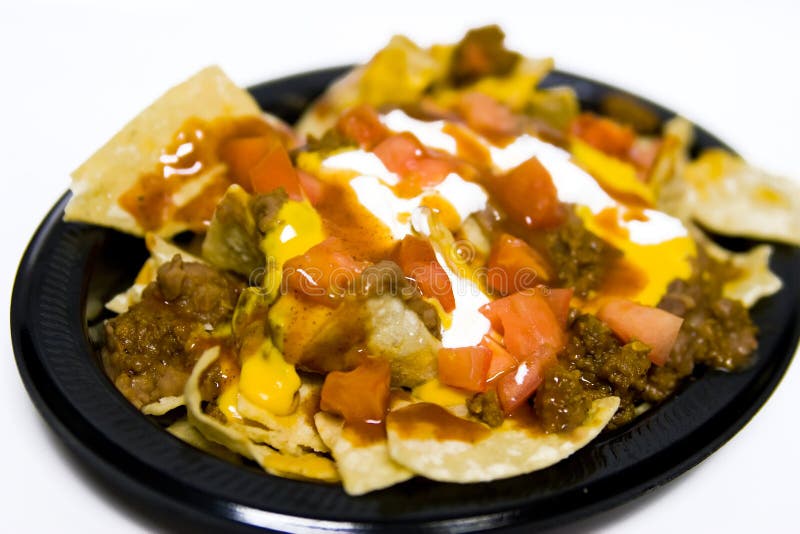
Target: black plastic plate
71	267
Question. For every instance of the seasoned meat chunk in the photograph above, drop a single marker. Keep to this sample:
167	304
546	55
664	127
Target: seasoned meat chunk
580	257
716	331
151	349
561	402
486	407
606	367
481	53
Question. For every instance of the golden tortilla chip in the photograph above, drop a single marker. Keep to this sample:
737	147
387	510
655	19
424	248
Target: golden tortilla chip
363	466
294	433
402	73
184	431
163	405
438	445
307	466
399	73
98	184
754	280
733	198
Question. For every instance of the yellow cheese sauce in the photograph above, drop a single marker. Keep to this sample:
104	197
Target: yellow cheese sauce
657	263
299	227
435	392
268	381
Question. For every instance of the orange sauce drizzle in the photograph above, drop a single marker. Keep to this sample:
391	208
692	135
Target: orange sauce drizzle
425	420
192	151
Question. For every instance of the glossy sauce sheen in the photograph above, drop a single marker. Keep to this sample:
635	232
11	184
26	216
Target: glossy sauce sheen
364	434
425	420
192	152
344	217
623	279
468	147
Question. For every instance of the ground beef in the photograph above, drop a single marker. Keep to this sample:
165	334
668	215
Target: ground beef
151	349
265	210
481	53
603	367
486	407
561	402
579	257
331	141
717	332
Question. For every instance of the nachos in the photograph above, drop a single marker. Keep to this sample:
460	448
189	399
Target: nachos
443	270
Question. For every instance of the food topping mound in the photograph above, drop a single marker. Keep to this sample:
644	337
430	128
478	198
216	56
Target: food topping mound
151	349
443	270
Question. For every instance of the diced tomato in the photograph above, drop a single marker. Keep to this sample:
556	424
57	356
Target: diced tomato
495	311
465	367
517	386
405	155
413	249
514	266
501	362
275	170
528	195
655	327
418	261
398	152
323	272
241	154
604	134
530	328
559	300
360	395
312	187
429	171
488	116
433	282
362	125
532	335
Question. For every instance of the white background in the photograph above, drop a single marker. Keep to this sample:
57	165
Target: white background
72	73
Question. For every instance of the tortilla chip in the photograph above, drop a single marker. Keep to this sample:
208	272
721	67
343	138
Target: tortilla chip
515	90
230	436
402	73
507	451
733	198
363	467
294	433
666	176
184	431
98	184
322	115
163	405
308	466
722	192
397	74
708	190
754	280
